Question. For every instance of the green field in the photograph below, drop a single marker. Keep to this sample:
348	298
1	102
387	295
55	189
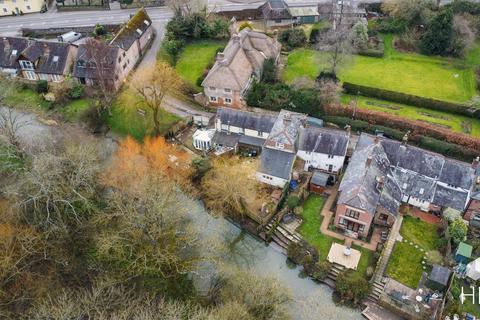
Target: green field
405	264
433	77
310	231
126	120
441	119
75	109
195	58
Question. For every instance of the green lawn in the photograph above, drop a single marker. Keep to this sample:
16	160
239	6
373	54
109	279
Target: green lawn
441	119
310	231
26	99
126	120
195	58
74	110
434	77
405	264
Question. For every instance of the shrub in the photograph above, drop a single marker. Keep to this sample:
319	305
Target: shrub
351	288
293	38
42	86
370	271
100	30
436	40
244	26
458	230
173	48
302	253
434	257
77	91
320	270
293	201
269	74
200	167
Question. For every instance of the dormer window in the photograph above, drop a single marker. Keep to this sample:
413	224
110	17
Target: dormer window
25	64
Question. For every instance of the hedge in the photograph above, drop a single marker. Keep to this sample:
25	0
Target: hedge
428	143
413	100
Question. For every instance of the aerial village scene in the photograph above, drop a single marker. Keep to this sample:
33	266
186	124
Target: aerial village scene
240	159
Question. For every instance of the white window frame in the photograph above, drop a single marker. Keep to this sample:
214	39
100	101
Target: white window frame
213	99
31	75
56	78
26	65
228	101
227	90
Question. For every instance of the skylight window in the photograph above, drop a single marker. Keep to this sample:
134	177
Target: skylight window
14	52
405	186
422	190
55	59
139	31
146	22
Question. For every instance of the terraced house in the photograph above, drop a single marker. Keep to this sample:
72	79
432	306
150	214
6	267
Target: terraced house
384	174
17	7
236	68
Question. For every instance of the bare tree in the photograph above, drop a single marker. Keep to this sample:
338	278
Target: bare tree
336	42
99	57
11	123
153	85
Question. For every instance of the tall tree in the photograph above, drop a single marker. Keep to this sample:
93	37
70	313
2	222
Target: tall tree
438	37
153	85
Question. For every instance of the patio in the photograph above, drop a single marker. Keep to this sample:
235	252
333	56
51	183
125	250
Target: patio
344	256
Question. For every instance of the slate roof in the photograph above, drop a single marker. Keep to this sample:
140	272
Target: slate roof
243	57
440	274
275	9
49	57
276	163
8	47
226	139
408	171
286	127
252	141
326	141
246	120
359	187
320	178
83	69
132	30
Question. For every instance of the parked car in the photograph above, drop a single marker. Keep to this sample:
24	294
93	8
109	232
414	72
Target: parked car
69	37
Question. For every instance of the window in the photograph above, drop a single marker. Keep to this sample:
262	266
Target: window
212	88
26	65
55	58
124	54
361	228
228	101
279	145
56	78
5	10
342	221
330	168
213	99
31	75
124	66
227	90
28	8
119	59
43	76
241	131
404	186
383	217
330	156
422	190
14	52
352	214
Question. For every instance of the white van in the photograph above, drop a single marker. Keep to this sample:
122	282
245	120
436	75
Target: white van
69	37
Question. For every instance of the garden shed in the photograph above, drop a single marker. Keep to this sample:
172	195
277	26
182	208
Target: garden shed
473	270
438	278
463	253
319	182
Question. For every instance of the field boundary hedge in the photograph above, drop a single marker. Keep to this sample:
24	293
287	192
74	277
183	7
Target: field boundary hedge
413	100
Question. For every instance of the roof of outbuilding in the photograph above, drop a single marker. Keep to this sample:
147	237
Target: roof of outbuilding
132	30
10	49
247	120
50	57
440	274
326	141
276	163
464	249
275	9
320	178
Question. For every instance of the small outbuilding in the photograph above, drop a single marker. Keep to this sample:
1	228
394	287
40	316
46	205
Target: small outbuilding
438	278
319	181
463	253
473	270
202	139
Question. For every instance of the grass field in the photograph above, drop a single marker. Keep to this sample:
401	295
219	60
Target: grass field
432	77
26	99
310	230
126	120
441	119
74	110
405	264
195	58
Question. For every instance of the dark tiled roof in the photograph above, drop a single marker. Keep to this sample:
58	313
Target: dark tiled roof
450	198
133	30
252	141
457	174
8	47
324	141
226	139
440	275
83	69
246	120
276	163
50	57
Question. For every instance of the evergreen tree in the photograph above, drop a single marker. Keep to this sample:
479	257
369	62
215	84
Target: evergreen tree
439	34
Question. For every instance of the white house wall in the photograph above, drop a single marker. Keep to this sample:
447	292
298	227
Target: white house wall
271	180
321	161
